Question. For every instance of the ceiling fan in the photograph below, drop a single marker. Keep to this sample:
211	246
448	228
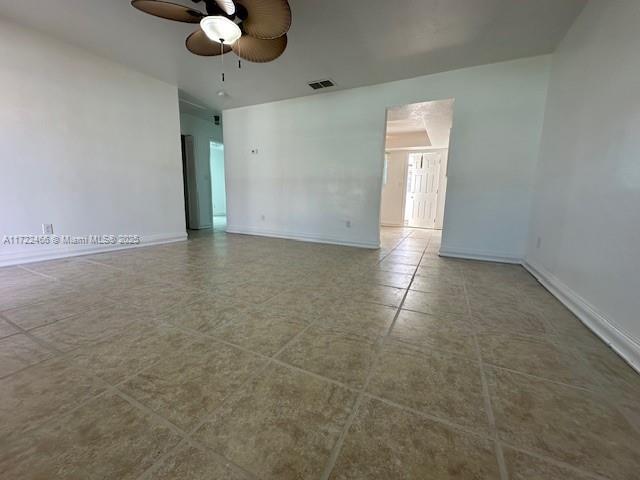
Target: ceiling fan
255	30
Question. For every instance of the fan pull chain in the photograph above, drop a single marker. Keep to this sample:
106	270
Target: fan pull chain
222	57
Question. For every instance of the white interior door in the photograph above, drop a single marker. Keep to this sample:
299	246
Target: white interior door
423	176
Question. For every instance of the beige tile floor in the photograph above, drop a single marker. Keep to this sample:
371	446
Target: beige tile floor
235	357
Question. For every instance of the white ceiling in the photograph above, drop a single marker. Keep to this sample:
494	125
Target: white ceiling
353	42
433	118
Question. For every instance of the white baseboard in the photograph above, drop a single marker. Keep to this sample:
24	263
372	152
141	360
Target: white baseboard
477	255
622	343
302	237
63	251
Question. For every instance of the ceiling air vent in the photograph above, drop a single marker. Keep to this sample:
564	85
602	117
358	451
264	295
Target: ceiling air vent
317	85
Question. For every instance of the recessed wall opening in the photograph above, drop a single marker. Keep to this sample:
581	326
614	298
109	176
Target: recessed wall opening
414	183
218	190
203	168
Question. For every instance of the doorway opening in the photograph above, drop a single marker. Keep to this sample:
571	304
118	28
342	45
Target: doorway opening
218	188
414	182
203	174
191	211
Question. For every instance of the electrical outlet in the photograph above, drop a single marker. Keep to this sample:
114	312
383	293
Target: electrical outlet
348	223
47	229
263	217
254	151
539	242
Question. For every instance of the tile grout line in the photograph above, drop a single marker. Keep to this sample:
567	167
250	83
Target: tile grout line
188	442
63	357
142	407
273	360
192	332
548	380
552	338
65	283
396	247
56	353
261	369
35	272
337	448
188	435
109	388
102	264
161	459
499	442
114	389
504	474
185	435
479	434
476	344
435	419
553	461
267	358
85	310
599	380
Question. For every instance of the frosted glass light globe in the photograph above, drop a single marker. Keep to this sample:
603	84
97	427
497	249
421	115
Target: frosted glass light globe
220	29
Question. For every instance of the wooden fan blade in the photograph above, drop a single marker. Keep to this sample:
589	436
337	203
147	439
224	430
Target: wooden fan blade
168	10
199	44
259	50
266	19
226	6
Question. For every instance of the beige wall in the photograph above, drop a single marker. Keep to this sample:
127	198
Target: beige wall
393	190
407	140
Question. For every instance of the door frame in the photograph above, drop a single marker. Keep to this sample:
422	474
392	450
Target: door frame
190	187
409	150
384	151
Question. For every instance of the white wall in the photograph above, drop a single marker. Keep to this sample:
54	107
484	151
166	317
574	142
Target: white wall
203	132
85	144
587	204
319	160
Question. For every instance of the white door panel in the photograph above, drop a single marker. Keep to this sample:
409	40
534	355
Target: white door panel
423	178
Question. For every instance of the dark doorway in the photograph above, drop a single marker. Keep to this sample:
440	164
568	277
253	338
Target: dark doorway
188	179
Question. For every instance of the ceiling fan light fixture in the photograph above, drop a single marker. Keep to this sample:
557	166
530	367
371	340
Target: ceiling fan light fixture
227	6
220	29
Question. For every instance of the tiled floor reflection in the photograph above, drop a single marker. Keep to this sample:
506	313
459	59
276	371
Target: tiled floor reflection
233	356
